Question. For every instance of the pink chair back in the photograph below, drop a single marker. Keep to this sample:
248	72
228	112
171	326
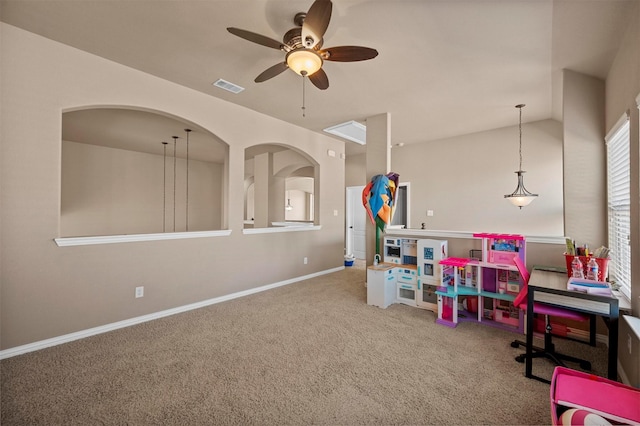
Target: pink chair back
521	299
540	308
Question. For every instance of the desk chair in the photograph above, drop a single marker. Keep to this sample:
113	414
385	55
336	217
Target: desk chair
548	351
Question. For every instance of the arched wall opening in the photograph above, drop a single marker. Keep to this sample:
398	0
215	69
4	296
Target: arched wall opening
126	170
281	187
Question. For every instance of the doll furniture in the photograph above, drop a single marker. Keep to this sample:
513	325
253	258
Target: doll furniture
487	286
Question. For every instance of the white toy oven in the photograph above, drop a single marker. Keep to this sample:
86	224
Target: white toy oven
406	294
407	289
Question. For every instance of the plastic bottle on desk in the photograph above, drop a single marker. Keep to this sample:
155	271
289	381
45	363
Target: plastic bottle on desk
576	268
592	269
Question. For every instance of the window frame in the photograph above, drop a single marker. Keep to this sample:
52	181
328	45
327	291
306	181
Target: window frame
618	145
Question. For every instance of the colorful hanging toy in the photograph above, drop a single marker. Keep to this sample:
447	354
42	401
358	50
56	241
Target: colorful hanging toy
378	198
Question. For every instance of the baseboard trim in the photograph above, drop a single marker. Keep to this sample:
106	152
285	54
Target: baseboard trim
601	338
576	333
54	341
623	376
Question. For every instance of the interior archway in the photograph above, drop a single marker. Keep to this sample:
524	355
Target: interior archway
133	171
280	187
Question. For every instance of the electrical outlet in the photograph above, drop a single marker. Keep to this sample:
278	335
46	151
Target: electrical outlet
429	212
139	292
629	343
305	260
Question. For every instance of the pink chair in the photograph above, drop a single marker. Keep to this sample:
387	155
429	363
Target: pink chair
548	351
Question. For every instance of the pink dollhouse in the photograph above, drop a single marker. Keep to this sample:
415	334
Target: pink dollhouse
483	290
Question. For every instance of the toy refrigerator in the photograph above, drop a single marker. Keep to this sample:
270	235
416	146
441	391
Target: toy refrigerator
428	256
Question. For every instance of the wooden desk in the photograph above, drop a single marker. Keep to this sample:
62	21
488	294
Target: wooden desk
550	287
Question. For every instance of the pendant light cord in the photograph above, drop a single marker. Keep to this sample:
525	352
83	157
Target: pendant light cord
164	186
187	195
520	106
175	138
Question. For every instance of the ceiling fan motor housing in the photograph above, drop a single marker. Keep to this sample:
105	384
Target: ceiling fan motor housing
293	39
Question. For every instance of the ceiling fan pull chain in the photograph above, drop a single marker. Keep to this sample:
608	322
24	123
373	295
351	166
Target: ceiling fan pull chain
303	98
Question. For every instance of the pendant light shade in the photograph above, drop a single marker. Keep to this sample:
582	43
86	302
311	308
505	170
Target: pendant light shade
288	207
520	197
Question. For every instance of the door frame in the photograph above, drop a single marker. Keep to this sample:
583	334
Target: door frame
354	192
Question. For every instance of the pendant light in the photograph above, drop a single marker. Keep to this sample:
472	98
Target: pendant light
175	139
520	197
288	207
187	186
164	186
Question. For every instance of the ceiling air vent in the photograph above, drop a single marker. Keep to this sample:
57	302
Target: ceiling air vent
230	87
351	130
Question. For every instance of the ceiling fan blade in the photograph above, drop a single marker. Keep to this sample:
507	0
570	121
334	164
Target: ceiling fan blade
348	53
256	38
271	72
320	79
316	22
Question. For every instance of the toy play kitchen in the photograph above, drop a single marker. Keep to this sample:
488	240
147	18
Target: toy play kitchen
419	272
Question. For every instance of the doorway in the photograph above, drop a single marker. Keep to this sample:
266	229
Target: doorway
356	220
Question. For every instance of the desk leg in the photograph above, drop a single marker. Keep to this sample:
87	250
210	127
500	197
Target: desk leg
528	358
613	348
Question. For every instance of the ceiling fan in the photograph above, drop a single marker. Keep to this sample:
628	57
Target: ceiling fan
303	46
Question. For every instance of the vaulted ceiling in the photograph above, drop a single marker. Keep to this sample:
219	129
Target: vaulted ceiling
444	67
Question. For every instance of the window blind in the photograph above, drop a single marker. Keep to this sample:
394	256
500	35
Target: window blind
619	205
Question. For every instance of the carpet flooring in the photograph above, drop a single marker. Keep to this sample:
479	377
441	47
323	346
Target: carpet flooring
308	353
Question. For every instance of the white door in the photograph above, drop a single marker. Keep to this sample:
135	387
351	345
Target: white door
356	222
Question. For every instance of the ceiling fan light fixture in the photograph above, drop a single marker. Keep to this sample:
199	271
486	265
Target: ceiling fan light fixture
304	62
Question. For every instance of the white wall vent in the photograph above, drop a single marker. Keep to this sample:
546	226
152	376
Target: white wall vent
228	86
351	130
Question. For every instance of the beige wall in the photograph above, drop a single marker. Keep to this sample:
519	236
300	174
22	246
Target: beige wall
107	191
584	153
355	172
464	180
49	291
622	88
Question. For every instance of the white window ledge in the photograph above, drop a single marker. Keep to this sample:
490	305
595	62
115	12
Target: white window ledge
111	239
634	324
469	235
276	229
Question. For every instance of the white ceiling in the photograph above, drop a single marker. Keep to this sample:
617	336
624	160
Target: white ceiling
445	67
